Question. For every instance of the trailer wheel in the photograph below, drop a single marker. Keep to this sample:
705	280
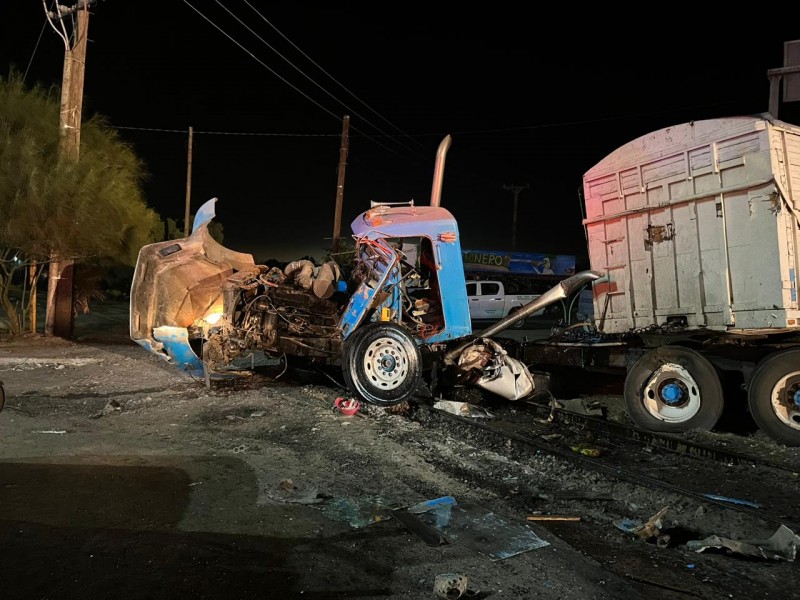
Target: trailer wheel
672	389
774	396
382	364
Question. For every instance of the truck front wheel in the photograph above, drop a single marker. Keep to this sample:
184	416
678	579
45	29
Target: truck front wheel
672	389
382	364
774	396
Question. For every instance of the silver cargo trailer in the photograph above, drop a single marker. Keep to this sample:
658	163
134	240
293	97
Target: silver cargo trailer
696	228
698	224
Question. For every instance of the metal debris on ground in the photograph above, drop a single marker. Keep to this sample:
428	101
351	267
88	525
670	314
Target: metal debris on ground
462	409
643	531
749	503
782	545
423	531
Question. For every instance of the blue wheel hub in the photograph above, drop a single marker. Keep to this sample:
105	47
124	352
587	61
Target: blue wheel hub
672	394
796	398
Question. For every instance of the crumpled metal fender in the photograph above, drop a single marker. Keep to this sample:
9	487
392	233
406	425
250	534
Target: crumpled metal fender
176	283
501	374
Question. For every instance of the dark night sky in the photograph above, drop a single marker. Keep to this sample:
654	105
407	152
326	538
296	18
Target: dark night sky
528	99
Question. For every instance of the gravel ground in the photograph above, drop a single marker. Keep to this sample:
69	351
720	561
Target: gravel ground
120	477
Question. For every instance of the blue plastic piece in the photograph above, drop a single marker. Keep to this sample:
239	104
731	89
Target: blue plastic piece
176	345
204	215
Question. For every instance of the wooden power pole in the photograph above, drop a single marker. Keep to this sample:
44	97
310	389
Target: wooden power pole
59	319
516	189
337	215
186	225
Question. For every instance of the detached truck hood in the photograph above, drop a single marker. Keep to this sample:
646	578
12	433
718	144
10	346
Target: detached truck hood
177	283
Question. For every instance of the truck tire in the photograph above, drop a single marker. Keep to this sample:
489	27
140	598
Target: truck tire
517	324
773	396
672	389
382	364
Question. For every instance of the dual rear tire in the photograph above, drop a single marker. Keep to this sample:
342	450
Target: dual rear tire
672	389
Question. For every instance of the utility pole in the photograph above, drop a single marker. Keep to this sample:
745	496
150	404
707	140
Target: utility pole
58	319
337	215
515	189
186	227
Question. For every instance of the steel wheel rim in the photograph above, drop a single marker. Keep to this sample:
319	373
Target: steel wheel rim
785	399
386	363
668	377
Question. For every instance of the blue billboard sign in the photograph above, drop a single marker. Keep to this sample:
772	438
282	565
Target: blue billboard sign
518	263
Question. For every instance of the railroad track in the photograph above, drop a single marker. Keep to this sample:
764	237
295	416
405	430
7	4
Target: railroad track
759	487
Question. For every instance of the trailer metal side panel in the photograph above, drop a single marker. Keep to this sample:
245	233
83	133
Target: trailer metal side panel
698	224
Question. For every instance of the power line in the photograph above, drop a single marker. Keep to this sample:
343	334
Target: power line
331	77
298	69
283	79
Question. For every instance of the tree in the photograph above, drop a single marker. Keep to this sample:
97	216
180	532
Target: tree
86	210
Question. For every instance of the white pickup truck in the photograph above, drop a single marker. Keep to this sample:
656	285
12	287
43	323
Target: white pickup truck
488	301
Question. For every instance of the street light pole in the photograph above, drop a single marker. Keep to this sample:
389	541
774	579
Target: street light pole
515	189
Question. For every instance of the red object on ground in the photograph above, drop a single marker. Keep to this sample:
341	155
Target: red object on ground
347	406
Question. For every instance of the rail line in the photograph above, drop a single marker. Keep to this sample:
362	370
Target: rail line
782	513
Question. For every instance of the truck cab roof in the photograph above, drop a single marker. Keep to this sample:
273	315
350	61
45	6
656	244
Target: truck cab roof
404	221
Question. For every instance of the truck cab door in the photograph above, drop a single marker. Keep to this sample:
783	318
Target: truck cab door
379	287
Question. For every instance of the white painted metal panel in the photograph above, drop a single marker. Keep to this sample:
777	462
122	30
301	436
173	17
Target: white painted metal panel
698	223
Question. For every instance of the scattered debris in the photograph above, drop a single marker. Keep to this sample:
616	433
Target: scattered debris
111	406
240	449
732	500
462	409
429	504
480	530
423	531
359	512
492	369
552	518
450	586
644	531
54	431
258	413
587	450
781	545
347	406
581	407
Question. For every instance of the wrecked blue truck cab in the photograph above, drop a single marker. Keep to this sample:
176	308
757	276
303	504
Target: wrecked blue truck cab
203	307
200	305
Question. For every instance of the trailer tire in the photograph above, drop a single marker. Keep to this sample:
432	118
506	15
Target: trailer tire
672	389
382	364
773	396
